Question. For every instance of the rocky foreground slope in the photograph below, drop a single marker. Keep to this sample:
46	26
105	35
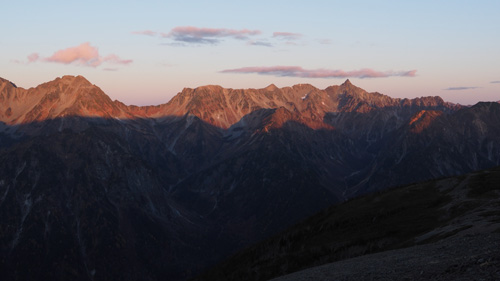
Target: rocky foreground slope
93	189
446	229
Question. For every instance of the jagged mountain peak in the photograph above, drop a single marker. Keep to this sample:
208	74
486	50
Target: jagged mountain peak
348	86
218	106
424	101
302	87
278	118
61	97
66	80
208	88
202	90
271	87
346	82
224	107
75	78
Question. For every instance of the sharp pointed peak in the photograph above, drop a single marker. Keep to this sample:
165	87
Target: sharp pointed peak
271	87
347	83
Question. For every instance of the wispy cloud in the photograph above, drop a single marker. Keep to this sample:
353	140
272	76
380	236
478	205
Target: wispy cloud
460	88
145	32
85	55
174	44
33	57
165	64
287	35
297	71
114	59
495	82
191	34
260	43
325	41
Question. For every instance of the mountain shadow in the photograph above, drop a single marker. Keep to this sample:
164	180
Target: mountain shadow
419	227
95	198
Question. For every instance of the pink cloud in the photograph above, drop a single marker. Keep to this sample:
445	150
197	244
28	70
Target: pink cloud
145	32
287	35
33	57
191	34
297	71
115	59
85	55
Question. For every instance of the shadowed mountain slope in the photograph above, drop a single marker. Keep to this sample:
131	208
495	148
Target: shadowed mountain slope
438	214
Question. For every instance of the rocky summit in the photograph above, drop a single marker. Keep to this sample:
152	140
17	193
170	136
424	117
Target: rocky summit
93	189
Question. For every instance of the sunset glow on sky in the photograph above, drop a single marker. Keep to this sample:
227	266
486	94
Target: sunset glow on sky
145	52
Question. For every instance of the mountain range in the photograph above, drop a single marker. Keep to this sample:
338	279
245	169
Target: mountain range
93	189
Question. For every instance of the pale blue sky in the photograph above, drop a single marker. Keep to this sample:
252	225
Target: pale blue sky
452	45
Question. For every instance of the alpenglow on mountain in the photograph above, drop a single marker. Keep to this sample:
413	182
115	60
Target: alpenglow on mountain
93	189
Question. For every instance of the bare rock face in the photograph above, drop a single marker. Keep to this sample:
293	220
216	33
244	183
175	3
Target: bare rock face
87	181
